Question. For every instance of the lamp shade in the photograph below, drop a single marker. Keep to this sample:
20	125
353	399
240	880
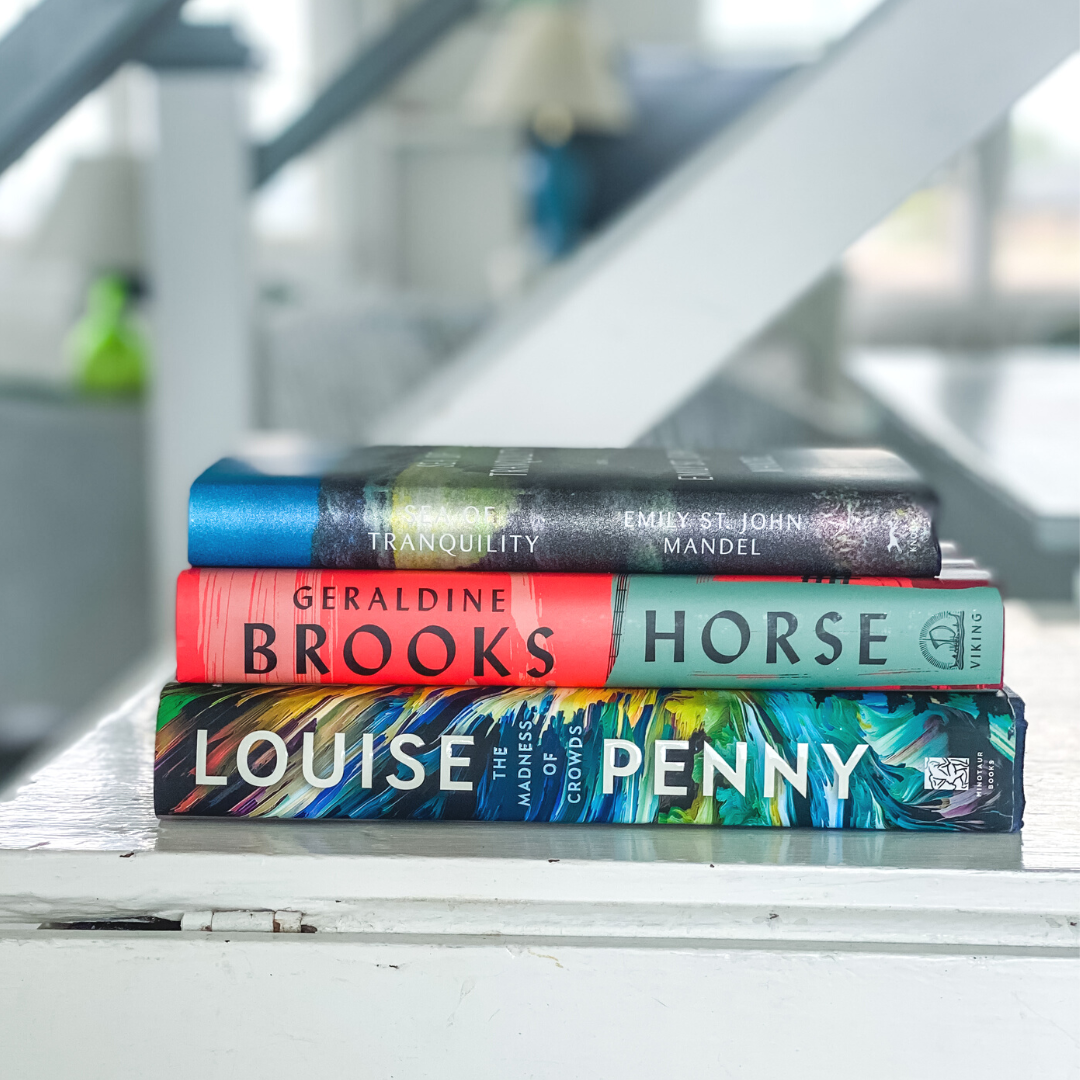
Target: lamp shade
548	59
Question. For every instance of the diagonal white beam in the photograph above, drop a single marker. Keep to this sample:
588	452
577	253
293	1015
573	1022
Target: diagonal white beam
631	326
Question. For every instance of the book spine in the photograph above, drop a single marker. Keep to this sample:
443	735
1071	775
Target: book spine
701	757
322	626
340	523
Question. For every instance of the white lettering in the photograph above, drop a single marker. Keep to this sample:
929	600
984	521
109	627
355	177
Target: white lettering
201	775
843	769
367	759
661	766
447	761
611	770
774	764
414	766
712	763
281	758
338	769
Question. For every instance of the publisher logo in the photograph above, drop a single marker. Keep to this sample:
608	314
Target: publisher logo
947	774
942	639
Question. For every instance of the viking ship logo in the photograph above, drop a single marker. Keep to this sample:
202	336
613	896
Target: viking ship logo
942	639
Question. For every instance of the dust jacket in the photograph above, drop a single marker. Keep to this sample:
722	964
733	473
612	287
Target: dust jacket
869	760
460	628
638	510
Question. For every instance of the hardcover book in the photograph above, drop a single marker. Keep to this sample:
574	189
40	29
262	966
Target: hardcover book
818	512
863	760
357	626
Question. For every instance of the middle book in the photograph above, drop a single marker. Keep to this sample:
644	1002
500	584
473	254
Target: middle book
587	630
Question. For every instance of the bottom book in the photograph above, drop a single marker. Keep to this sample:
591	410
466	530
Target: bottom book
861	760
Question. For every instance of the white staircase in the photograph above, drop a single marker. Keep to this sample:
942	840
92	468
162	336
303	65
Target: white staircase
638	320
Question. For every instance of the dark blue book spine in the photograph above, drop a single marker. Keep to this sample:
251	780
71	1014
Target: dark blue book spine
823	513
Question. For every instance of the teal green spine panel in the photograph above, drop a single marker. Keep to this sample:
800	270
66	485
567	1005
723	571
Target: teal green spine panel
806	635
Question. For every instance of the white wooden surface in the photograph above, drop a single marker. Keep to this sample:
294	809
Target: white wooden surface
486	950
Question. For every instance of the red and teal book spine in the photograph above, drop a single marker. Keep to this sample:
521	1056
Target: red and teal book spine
859	760
586	630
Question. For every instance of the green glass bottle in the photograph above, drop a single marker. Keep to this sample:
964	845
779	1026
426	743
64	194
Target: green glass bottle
109	353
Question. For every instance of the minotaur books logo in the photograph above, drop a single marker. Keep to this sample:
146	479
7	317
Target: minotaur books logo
947	774
942	639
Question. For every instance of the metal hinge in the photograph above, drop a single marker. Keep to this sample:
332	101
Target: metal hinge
240	922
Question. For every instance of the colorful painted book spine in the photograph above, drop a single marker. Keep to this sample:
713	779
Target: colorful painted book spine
356	626
818	512
867	760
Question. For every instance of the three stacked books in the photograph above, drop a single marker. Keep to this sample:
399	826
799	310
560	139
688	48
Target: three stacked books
564	635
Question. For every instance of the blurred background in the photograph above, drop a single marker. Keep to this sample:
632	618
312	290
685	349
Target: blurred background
696	223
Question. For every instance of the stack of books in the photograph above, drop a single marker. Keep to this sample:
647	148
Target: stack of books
628	636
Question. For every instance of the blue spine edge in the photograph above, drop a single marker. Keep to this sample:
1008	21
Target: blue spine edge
237	517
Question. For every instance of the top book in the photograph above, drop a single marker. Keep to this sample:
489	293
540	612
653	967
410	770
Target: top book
805	512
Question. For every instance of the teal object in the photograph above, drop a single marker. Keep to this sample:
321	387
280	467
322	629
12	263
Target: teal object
805	634
560	194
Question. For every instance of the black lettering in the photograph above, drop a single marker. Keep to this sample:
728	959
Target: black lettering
448	643
775	639
831	640
328	598
652	637
541	654
399	604
498	603
711	651
377	598
351	593
302	602
306	652
381	636
480	654
866	639
475	600
250	648
420	599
